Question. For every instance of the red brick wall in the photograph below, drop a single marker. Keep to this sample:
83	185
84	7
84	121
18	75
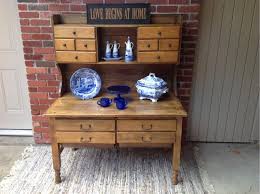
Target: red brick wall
43	76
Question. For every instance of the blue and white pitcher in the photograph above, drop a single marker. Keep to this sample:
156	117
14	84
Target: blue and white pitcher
129	56
116	47
108	50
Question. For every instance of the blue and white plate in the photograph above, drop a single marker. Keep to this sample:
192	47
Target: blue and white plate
85	83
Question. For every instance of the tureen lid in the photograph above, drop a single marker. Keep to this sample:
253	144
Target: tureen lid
151	81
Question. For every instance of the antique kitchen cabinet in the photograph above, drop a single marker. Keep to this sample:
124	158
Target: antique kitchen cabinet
75	122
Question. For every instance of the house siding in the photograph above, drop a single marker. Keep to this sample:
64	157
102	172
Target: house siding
225	105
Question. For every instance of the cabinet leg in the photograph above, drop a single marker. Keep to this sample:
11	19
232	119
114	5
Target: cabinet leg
176	163
177	152
175	177
57	177
56	150
61	148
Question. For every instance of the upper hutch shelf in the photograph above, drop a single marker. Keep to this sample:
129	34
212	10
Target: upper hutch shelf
78	42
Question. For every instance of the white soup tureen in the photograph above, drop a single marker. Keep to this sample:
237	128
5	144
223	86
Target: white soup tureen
151	87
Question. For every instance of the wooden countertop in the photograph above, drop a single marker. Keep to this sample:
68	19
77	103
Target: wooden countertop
70	106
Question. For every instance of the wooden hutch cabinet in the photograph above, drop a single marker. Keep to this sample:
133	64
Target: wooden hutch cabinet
75	122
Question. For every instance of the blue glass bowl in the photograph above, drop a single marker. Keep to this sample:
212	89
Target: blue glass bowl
118	90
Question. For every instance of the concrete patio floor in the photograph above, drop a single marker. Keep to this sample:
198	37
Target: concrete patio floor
10	151
232	168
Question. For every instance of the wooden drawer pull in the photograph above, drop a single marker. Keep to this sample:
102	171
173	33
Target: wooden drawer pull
146	139
158	57
145	128
65	45
83	140
148	45
86	45
159	33
85	129
170	45
76	57
74	33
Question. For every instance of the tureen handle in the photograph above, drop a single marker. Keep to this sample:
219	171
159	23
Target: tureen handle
152	74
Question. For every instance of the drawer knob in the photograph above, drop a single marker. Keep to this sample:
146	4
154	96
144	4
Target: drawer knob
85	140
170	45
148	45
65	45
147	128
74	33
85	129
158	57
86	45
146	139
159	33
76	57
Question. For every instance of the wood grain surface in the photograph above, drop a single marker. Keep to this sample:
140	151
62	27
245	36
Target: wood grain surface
84	125
146	137
70	106
158	32
65	44
70	31
86	137
146	125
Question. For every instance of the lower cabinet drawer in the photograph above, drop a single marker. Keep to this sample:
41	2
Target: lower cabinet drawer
146	137
84	125
86	137
146	125
74	56
158	57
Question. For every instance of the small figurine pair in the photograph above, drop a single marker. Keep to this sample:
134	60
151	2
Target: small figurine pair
115	53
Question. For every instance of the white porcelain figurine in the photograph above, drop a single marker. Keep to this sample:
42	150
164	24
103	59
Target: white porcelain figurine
116	47
129	56
108	50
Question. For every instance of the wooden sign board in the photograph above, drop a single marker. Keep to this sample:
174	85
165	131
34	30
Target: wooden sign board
138	13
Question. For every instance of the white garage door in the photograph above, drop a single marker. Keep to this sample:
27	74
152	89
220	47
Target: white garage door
15	116
225	96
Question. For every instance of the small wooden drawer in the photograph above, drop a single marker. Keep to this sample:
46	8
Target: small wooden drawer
86	137
76	56
84	125
146	137
169	44
147	45
64	44
61	31
158	57
85	45
158	32
146	125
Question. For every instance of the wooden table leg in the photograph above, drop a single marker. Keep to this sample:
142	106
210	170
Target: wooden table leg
177	152
56	161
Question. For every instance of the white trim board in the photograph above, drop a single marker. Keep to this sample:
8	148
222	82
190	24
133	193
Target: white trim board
16	132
